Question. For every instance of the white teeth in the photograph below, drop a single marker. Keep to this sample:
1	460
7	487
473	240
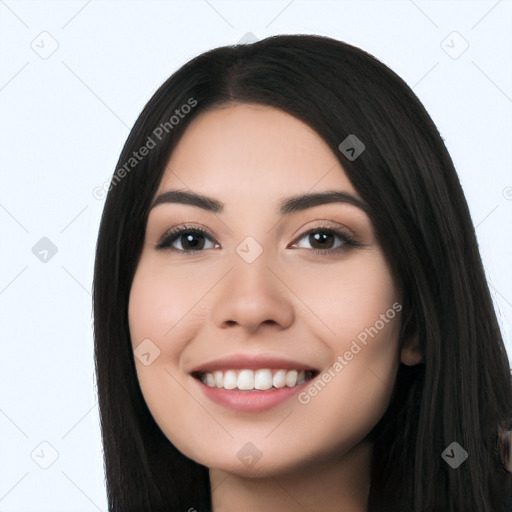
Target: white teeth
218	378
229	379
209	380
291	378
263	379
279	379
246	380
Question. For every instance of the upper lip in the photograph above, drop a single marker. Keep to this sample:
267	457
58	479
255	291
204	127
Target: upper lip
251	362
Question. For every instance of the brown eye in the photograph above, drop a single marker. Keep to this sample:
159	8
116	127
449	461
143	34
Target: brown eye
327	239
321	239
190	240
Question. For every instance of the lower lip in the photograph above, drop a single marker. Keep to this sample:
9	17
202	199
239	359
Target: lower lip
250	401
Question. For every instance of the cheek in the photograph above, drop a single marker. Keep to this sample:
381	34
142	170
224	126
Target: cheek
360	314
346	300
163	302
165	312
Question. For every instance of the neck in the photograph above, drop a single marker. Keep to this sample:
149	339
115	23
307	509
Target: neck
331	485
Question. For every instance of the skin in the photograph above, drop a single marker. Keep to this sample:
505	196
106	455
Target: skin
297	302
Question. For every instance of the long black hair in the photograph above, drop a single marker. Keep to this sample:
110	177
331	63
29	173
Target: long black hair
460	392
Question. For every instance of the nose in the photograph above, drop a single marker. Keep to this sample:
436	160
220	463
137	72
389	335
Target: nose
252	295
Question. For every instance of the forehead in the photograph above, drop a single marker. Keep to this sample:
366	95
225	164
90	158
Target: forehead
256	150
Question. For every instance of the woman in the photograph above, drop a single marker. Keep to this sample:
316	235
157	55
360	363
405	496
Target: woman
290	308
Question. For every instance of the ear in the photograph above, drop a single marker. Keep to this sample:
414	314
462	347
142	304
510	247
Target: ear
411	353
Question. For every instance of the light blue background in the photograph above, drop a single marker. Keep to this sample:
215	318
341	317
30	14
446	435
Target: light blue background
64	119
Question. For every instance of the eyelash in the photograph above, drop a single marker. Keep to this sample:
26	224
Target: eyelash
173	234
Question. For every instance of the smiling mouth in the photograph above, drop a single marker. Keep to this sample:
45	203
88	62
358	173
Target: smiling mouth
255	380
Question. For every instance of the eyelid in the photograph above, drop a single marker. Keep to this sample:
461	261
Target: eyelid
327	225
184	227
177	230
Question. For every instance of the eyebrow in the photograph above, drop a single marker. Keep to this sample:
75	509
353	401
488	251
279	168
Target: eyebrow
288	205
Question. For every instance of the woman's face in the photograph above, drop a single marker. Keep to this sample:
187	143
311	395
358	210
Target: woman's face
287	285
